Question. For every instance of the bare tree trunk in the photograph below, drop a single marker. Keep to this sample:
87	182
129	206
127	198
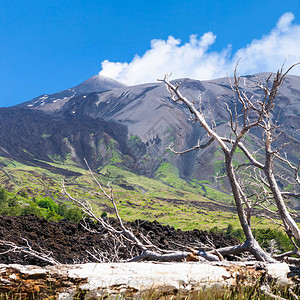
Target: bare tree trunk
250	244
289	222
290	225
237	197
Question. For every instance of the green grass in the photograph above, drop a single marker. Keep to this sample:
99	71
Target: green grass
167	199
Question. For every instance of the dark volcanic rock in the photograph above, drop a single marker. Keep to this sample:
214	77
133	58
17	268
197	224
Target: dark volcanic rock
69	242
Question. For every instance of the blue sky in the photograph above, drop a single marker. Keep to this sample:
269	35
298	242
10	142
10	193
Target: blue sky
48	46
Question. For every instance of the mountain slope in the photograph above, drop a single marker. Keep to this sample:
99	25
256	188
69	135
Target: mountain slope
32	137
108	123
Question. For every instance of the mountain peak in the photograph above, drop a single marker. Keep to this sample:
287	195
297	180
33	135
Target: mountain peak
97	83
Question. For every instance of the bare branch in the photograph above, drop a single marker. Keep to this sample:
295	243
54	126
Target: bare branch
268	217
288	195
177	96
296	169
12	247
245	151
198	146
236	186
129	236
288	253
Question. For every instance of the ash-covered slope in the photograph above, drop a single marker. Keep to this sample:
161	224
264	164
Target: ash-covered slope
150	121
54	102
142	106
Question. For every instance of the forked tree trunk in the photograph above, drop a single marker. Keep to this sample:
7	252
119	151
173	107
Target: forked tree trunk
250	244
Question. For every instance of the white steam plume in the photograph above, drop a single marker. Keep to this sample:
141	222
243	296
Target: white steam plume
195	60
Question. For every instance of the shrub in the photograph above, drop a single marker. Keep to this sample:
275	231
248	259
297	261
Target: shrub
266	236
47	203
3	196
61	209
237	233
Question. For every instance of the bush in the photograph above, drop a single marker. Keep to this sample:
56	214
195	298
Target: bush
41	207
12	201
3	196
267	237
237	233
9	204
62	209
215	230
47	203
104	214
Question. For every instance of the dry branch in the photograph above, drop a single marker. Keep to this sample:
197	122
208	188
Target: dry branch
27	250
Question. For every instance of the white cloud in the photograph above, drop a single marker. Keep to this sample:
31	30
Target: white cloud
285	21
269	52
195	59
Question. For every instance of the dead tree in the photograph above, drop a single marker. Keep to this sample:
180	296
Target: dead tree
240	125
263	108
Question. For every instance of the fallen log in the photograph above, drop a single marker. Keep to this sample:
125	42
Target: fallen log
134	279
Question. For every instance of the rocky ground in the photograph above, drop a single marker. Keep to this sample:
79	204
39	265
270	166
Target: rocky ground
23	276
70	243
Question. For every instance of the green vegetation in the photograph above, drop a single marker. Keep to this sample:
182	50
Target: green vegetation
8	203
136	142
20	204
56	158
167	199
271	239
169	175
112	153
